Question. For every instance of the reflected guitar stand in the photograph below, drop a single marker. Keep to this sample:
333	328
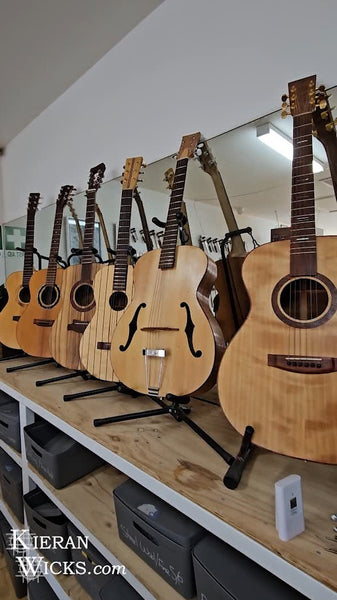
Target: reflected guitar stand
173	406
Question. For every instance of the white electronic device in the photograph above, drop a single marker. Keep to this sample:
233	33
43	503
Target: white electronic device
289	507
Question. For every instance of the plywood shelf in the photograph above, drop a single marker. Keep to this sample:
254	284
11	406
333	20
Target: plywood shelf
169	459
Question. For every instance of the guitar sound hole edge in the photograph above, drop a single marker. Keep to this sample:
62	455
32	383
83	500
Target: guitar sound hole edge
24	295
82	296
49	296
118	301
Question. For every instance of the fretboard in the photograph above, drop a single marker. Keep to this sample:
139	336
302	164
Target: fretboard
29	245
168	250
54	247
303	258
123	241
88	239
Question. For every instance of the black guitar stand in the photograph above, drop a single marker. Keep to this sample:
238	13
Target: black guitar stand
84	374
117	387
182	220
176	407
77	252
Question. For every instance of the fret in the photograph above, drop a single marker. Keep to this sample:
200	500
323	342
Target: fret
168	249
123	241
54	247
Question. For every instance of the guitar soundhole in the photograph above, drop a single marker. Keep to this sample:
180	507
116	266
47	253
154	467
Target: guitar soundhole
304	299
84	295
24	295
118	301
49	296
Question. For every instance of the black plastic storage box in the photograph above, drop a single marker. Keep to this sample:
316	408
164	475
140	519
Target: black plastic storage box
45	519
10	421
159	534
11	484
58	457
119	589
223	573
41	590
19	584
91	582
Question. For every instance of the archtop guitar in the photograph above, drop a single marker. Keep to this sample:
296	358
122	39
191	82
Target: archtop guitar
34	328
17	283
112	288
167	341
78	305
279	373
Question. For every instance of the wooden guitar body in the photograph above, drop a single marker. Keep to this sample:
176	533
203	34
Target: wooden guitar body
35	325
233	300
18	299
167	340
291	402
95	344
77	310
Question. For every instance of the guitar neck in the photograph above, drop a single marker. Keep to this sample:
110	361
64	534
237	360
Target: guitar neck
330	146
29	246
238	248
54	247
121	262
88	238
303	258
103	228
168	250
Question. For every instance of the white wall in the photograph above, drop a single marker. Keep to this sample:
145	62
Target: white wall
191	65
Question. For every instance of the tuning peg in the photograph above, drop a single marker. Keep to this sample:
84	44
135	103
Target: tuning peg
314	132
140	180
321	88
144	165
198	151
285	105
174	155
330	126
284	98
200	145
322	103
284	114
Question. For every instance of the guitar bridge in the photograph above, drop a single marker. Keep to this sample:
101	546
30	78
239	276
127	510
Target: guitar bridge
44	322
303	364
78	326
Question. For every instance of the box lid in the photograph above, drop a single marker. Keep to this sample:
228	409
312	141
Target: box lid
157	513
238	574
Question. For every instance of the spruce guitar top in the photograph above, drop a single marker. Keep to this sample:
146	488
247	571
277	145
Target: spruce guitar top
34	328
167	341
279	372
78	304
112	288
17	283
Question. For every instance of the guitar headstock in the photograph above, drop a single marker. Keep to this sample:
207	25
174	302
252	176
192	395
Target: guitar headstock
64	196
301	97
33	203
324	123
169	178
96	177
189	145
131	172
206	158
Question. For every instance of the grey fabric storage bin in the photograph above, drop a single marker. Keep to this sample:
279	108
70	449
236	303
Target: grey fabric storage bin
223	573
92	583
44	518
58	457
159	534
10	423
11	484
119	589
41	590
19	585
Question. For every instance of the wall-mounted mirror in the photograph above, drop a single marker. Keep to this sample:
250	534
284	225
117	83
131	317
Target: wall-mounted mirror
256	177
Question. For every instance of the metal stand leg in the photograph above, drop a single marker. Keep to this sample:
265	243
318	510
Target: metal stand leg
117	387
84	374
180	413
38	363
12	356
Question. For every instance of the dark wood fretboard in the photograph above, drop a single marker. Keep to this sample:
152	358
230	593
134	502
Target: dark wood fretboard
88	239
123	241
168	250
303	258
29	245
54	247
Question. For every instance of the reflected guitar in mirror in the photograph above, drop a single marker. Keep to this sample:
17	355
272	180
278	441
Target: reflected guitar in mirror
279	372
17	283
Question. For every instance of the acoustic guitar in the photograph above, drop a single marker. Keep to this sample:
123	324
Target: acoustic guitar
77	289
17	283
233	300
34	328
279	371
77	223
112	288
167	341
